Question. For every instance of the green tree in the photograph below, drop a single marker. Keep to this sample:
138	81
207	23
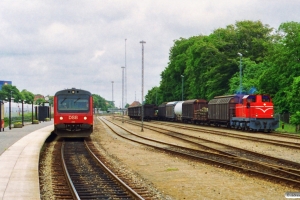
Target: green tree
10	91
28	96
153	96
295	120
283	63
39	101
100	103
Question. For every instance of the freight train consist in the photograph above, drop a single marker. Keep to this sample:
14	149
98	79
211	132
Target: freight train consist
73	113
245	112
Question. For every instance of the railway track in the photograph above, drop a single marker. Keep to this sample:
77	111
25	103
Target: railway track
292	145
265	171
78	173
221	148
285	135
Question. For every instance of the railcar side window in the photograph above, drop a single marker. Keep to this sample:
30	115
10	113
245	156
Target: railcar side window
251	99
73	103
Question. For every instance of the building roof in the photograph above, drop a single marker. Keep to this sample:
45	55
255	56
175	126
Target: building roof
135	103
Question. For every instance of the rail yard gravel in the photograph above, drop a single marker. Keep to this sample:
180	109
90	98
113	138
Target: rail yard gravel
171	177
179	178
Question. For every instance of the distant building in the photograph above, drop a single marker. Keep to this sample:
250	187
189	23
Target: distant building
135	103
38	96
5	83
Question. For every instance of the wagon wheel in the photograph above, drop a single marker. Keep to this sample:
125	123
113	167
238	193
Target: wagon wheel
228	125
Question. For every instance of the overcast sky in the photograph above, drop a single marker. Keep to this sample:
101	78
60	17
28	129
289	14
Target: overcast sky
46	46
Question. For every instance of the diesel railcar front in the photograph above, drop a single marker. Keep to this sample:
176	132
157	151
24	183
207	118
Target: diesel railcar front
73	113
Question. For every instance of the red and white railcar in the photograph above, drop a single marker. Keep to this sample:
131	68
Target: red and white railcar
73	113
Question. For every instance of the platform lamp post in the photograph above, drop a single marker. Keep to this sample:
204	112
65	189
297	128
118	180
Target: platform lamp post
241	87
32	111
11	99
22	112
182	88
123	94
142	42
1	115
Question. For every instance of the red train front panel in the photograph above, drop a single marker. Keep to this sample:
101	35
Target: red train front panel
255	112
73	113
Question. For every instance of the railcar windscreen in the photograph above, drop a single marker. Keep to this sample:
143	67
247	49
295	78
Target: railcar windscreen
266	98
73	103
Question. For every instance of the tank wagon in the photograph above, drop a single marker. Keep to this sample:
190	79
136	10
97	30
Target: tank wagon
178	111
73	113
170	111
195	111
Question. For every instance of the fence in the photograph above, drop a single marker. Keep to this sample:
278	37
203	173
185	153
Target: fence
284	117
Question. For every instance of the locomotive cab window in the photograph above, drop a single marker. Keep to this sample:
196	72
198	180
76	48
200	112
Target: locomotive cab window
251	99
73	103
265	98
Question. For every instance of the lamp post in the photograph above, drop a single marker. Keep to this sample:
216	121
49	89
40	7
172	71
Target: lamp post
10	100
142	42
22	112
1	116
241	87
112	92
125	76
122	94
182	88
32	111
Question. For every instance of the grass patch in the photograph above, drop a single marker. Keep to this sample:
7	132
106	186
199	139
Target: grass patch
171	169
288	128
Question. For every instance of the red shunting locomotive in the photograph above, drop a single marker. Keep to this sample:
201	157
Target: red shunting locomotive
255	112
73	113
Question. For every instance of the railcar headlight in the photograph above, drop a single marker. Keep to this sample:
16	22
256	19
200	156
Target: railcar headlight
256	115
85	118
61	118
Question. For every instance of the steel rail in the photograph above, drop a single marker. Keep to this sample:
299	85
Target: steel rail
287	179
69	180
128	188
295	166
293	145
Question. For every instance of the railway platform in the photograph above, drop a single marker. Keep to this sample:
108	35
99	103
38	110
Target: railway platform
19	160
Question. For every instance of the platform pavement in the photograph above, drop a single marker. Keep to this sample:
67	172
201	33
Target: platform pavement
9	137
20	148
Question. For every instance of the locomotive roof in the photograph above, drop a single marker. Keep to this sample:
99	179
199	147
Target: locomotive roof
73	91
